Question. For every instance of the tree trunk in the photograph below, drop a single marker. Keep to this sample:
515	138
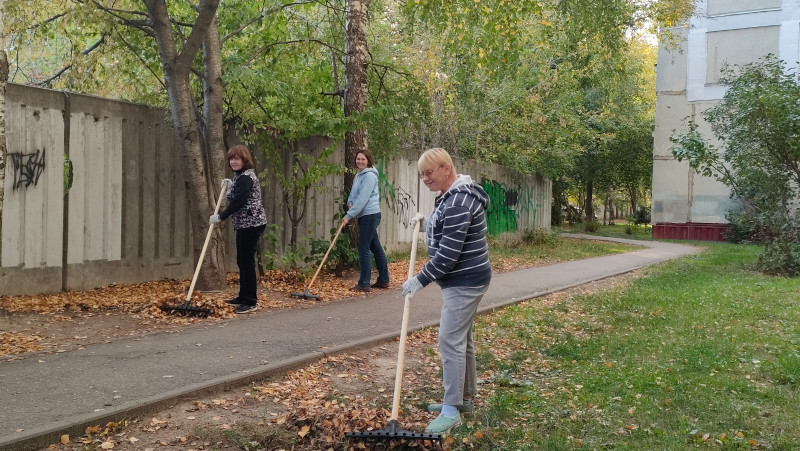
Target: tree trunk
611	213
214	135
589	208
3	144
355	95
176	67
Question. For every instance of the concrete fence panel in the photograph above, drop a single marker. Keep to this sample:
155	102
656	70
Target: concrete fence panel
124	219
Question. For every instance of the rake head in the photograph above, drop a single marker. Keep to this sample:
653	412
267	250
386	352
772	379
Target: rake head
306	295
393	432
186	309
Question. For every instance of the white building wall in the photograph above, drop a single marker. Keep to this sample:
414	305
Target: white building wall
722	32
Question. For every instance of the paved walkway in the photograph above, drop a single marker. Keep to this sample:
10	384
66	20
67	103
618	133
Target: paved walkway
72	390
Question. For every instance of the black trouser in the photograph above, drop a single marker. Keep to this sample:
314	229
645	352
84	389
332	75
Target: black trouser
246	244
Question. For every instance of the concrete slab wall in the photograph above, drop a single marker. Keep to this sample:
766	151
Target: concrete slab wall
125	220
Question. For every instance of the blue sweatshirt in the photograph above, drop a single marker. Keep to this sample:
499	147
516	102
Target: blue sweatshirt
456	234
364	198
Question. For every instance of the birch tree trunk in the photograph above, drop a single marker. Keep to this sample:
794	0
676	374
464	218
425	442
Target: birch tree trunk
355	94
3	144
214	135
187	130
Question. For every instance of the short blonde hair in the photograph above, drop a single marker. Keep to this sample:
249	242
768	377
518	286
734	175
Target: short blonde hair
434	158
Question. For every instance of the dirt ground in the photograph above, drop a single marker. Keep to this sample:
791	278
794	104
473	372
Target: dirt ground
68	321
309	408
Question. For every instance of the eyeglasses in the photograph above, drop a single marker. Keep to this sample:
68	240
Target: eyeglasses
427	174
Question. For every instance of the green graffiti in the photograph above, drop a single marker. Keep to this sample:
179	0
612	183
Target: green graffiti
528	202
500	216
508	205
385	188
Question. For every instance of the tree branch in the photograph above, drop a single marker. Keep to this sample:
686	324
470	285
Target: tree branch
145	25
207	12
294	41
160	81
86	51
264	13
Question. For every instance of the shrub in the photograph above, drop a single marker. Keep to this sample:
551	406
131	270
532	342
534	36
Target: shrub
756	122
591	226
539	236
742	230
642	215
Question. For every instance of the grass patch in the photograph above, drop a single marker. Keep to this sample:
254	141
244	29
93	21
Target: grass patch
629	231
545	252
701	352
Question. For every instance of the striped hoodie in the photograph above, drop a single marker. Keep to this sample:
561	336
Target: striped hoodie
456	235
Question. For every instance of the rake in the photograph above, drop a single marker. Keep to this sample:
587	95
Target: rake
392	430
187	309
306	294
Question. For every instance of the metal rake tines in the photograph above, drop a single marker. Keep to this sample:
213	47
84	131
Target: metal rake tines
393	432
187	309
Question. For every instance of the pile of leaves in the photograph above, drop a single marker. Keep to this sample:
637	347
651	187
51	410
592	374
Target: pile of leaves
101	438
16	343
322	403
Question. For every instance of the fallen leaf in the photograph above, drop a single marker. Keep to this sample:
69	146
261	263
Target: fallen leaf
304	431
65	439
107	445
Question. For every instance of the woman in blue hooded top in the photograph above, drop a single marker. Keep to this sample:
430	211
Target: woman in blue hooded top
364	204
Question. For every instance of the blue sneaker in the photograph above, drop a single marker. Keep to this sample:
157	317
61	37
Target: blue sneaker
443	424
466	407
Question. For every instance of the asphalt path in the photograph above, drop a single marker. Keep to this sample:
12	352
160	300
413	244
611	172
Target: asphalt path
66	392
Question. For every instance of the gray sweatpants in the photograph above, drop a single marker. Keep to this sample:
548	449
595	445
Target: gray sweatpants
456	345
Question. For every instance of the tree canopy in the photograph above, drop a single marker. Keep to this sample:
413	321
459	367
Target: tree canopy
559	87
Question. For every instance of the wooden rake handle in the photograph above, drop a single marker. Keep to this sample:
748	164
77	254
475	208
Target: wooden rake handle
398	377
325	257
205	245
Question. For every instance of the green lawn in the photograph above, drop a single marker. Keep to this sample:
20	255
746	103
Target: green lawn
699	353
620	230
548	249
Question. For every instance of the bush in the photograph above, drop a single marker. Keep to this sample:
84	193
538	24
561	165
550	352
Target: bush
642	215
756	122
780	258
591	226
539	236
630	228
742	230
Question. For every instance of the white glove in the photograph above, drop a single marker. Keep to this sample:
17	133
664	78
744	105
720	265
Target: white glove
422	221
411	286
225	182
214	219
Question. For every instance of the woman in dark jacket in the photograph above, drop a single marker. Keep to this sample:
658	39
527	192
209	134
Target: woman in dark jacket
249	221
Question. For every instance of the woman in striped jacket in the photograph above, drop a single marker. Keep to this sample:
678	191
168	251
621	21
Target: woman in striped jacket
459	264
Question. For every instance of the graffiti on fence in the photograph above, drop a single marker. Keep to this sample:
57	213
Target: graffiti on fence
507	205
501	215
27	168
399	201
529	202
